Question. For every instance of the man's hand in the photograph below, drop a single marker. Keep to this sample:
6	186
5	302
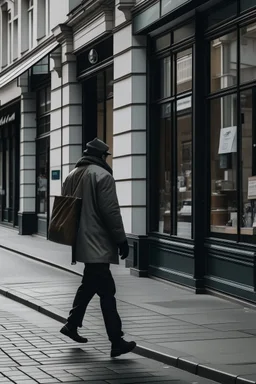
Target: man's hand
124	249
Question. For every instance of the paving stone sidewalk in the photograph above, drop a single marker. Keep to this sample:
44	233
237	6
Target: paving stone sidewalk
206	335
32	352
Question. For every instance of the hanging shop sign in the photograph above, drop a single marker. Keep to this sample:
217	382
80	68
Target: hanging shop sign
7	119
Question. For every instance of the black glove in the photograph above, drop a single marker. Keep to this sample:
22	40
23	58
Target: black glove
124	249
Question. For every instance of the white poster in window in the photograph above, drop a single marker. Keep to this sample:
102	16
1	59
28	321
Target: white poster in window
227	140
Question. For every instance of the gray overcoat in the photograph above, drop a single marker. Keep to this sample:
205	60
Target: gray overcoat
101	226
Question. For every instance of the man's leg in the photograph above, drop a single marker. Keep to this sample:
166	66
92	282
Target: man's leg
106	290
83	296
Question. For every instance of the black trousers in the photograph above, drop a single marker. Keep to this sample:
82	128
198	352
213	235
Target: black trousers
98	280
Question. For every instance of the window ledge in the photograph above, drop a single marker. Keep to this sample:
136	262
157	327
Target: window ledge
233	230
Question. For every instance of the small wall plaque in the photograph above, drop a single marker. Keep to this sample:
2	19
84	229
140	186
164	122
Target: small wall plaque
56	175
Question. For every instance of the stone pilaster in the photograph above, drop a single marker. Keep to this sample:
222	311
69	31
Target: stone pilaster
129	153
27	213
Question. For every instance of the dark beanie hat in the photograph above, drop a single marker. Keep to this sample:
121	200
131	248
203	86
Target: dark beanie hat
96	147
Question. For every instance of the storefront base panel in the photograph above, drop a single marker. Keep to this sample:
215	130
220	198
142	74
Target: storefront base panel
138	257
27	223
172	261
231	271
172	276
238	291
42	226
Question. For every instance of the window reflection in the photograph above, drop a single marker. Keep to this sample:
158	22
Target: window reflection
164	170
223	165
224	62
248	53
184	164
184	71
248	208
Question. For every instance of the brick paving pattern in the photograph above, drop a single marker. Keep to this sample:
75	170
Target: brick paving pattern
30	354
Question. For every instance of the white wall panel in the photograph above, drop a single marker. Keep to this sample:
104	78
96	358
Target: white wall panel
139	220
55	119
28	148
122	120
27	134
55	157
55	139
123	39
126	213
27	162
27	176
72	135
123	65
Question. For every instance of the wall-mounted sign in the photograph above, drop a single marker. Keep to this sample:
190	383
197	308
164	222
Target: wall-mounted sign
7	119
93	56
97	55
56	175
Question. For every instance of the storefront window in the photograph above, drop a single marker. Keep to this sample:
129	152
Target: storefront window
248	53
42	178
184	71
224	62
184	167
164	170
248	210
166	77
43	145
224	164
172	133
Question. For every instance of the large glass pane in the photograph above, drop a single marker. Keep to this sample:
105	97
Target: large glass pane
247	169
246	4
7	170
100	105
248	53
42	175
109	112
184	164
166	77
224	61
223	159
164	170
184	70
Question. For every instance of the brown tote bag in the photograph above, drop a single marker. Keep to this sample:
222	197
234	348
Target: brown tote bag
65	218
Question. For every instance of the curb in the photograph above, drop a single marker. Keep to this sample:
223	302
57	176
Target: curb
177	362
35	258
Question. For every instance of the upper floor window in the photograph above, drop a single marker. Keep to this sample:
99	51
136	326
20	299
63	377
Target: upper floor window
31	23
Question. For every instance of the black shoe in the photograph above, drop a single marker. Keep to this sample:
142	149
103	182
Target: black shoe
72	334
122	347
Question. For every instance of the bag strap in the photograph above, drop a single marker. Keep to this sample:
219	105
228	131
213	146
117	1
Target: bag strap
74	189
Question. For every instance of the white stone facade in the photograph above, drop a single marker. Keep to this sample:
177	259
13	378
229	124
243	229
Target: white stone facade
52	29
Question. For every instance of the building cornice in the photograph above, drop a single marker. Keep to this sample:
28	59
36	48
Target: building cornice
29	54
89	9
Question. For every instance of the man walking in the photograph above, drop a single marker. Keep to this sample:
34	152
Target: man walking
100	238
